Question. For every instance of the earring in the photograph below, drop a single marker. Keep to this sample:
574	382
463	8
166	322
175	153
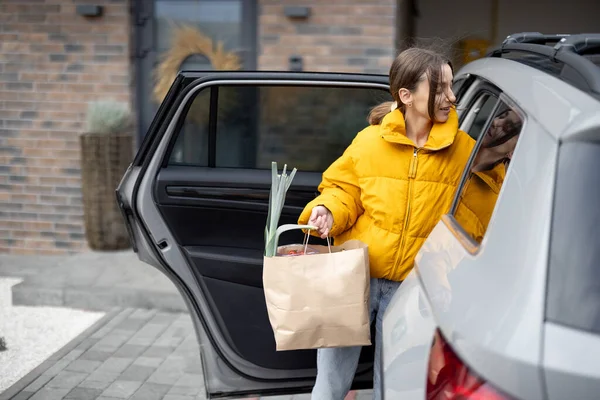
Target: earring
409	104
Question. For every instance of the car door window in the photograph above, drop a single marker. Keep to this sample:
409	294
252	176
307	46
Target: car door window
479	113
306	127
461	85
191	147
496	141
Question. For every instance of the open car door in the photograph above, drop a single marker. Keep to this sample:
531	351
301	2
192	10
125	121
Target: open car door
196	197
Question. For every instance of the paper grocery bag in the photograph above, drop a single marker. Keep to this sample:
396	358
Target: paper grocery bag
319	300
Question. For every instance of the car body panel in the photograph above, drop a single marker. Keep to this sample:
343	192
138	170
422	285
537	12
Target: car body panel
553	103
408	330
571	363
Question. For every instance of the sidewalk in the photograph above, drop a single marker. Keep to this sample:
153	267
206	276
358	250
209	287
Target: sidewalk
145	348
131	354
91	280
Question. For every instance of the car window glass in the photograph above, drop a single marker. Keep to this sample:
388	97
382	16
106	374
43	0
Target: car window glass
487	169
460	86
482	110
307	127
191	146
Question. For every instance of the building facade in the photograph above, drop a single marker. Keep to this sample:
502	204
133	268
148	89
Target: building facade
58	55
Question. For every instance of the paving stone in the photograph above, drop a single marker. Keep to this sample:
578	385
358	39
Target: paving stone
102	332
86	344
173	335
94	355
73	354
151	391
115	364
22	396
143	313
137	373
122	389
103	376
39	383
132	324
190	380
186	390
148	334
113	341
148	361
100	385
161	352
56	368
164	318
66	380
169	371
83	366
193	365
130	350
110	325
80	393
50	394
178	397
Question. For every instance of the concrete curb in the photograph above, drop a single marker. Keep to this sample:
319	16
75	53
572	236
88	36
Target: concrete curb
25	381
95	298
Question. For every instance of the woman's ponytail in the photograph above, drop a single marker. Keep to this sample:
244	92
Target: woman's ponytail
378	112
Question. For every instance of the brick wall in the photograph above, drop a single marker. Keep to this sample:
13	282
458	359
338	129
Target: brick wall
339	35
52	62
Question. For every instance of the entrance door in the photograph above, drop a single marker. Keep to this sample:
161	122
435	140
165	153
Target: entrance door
231	22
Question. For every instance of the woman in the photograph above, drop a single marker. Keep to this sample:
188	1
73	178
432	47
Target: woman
389	189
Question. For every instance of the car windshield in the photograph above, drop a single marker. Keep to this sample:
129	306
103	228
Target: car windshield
574	267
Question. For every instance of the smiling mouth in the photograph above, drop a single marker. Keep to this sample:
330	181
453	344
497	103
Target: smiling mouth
445	109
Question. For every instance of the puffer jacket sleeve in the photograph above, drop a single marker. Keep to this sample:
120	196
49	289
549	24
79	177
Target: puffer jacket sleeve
340	193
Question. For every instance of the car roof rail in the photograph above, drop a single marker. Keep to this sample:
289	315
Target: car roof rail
533	38
562	55
580	44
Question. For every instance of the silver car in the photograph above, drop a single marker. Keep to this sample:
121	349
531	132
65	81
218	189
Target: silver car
503	301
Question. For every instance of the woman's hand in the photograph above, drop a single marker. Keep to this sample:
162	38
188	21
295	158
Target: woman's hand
321	218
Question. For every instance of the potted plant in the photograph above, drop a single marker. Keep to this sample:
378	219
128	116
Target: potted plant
106	152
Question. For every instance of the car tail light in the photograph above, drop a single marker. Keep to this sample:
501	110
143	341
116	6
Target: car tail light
448	378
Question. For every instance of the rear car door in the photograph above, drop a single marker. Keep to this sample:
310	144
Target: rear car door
196	198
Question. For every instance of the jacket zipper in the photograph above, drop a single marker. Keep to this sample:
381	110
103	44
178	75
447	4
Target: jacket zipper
412	173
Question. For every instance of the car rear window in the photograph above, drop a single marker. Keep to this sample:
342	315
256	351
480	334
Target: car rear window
574	270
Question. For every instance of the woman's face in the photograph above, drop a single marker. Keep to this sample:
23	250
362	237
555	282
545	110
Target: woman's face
500	140
419	98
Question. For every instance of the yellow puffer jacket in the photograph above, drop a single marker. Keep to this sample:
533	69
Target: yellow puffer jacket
390	194
478	199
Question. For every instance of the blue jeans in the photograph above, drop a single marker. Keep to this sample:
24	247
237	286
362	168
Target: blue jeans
336	366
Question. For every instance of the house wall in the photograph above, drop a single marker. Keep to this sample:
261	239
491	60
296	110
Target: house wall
339	35
52	62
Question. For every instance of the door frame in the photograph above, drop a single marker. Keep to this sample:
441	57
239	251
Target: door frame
144	55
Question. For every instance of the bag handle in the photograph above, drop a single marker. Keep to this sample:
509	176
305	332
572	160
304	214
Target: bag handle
307	236
291	227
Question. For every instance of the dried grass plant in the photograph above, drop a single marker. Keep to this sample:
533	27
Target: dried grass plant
187	41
